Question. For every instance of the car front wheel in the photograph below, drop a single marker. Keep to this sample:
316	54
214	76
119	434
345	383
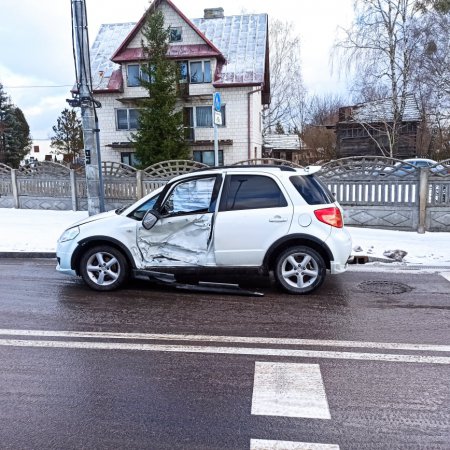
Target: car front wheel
103	268
300	270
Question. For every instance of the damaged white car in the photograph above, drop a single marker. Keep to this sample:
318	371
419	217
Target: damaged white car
264	218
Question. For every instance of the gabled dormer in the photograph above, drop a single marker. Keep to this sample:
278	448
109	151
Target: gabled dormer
198	56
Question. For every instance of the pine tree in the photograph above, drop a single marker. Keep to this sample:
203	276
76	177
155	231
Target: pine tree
15	140
279	128
4	115
160	135
68	137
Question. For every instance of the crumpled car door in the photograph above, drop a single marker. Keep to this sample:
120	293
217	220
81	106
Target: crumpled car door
182	236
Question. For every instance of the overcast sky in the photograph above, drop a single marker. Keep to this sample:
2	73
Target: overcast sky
36	46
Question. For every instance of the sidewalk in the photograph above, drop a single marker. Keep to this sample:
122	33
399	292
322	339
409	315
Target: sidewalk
33	233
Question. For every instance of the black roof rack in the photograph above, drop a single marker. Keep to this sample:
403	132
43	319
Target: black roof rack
250	166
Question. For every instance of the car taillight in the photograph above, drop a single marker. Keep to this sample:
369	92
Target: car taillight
330	216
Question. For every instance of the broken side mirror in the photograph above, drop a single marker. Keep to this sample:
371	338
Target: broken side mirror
151	217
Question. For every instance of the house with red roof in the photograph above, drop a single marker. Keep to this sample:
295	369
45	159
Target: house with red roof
216	53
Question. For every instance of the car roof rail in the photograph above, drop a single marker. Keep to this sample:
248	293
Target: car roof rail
250	166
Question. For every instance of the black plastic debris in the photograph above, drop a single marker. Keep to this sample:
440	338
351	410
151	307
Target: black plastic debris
169	279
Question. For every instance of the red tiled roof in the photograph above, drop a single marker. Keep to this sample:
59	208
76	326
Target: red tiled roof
175	52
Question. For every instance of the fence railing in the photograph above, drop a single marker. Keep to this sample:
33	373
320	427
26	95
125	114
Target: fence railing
374	191
389	193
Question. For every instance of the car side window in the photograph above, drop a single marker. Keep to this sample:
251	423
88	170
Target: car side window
192	196
252	192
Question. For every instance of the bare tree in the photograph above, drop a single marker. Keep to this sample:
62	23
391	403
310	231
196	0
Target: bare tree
432	79
380	45
286	83
317	132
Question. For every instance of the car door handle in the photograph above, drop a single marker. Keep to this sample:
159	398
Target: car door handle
278	219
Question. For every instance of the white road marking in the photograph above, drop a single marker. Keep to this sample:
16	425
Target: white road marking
289	390
229	351
264	444
228	339
446	275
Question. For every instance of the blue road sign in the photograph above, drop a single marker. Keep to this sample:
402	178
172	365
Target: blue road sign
217	101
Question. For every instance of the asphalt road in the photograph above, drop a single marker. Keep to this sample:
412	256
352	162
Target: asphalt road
362	364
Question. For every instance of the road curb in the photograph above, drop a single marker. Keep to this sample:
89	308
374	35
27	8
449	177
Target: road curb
27	255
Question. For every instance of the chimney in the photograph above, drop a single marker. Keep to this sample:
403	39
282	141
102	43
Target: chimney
213	13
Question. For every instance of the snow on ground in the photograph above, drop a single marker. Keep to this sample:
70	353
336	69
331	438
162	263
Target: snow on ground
27	230
431	249
32	230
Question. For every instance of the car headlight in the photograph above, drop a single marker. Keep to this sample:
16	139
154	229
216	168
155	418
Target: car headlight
69	234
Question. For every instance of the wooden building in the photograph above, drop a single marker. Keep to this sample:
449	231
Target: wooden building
363	129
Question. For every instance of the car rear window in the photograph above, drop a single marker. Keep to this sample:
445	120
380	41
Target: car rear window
312	189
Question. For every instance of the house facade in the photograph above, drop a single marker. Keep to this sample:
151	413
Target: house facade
216	53
362	130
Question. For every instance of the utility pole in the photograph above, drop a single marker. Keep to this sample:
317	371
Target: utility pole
85	101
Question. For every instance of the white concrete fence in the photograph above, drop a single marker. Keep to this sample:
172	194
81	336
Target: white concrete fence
374	191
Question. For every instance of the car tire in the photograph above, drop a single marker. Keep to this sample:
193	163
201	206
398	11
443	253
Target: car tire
104	268
299	270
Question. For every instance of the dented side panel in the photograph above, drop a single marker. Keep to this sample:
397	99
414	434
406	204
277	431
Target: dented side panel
176	241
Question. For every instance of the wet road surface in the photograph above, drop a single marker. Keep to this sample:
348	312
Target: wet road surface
363	363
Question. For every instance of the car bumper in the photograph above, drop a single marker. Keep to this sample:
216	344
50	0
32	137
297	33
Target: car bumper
64	252
336	268
340	244
65	271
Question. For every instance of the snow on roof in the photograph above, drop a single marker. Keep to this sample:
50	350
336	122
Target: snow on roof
282	141
382	111
242	40
108	39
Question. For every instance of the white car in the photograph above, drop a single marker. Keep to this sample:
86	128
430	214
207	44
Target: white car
403	169
267	218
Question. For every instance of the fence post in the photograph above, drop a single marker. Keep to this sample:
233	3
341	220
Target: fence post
73	190
15	189
423	197
139	184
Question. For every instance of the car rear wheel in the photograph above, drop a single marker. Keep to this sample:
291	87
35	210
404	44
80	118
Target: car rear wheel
104	268
300	270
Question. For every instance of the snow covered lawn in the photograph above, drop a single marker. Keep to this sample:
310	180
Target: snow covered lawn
26	230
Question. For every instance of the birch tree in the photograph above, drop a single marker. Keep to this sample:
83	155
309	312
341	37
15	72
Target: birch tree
286	83
381	44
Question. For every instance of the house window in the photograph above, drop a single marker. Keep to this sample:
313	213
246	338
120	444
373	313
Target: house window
133	74
207	157
183	68
204	117
188	123
129	158
175	34
200	71
127	119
